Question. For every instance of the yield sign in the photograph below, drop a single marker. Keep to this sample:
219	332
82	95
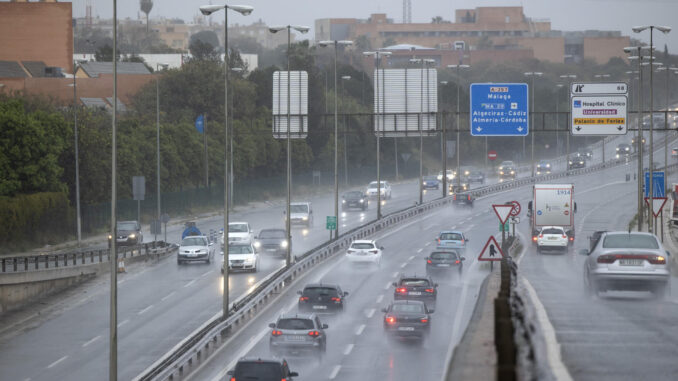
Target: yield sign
503	211
491	251
657	204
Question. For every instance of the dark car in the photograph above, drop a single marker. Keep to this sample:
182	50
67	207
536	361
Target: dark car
321	298
297	335
128	234
442	261
462	199
354	199
543	167
458	188
576	161
507	173
623	150
407	318
476	176
272	241
430	182
261	369
415	287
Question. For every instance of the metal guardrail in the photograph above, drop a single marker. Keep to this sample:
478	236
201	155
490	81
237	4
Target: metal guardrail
38	262
212	332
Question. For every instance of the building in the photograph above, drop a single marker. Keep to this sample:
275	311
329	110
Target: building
260	33
493	30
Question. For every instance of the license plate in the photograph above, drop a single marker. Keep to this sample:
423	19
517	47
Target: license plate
553	238
319	307
405	328
270	249
414	293
295	338
443	265
631	262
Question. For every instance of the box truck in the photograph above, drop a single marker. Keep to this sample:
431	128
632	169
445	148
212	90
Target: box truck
552	205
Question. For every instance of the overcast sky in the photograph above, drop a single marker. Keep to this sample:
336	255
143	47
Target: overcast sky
564	14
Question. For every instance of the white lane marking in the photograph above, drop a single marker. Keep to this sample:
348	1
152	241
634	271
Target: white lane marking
380	298
335	371
418	251
360	329
460	308
123	323
403	265
206	273
348	349
427	243
189	283
20	321
552	346
453	227
395	274
369	313
468	219
168	296
388	285
470	227
145	310
91	341
412	257
121	281
478	214
57	362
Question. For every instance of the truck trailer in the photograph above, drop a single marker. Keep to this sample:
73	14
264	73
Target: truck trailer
552	205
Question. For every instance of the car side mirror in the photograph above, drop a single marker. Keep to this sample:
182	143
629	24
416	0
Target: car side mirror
272	325
384	310
299	292
435	284
324	326
230	373
584	252
668	254
381	248
345	293
426	258
394	284
463	258
294	374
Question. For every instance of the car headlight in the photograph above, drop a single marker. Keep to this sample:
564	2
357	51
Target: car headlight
257	244
581	162
343	201
305	218
513	172
362	200
423	183
283	244
501	172
132	235
548	165
569	162
110	236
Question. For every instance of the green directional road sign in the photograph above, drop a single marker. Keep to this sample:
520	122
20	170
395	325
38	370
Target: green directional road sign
331	223
504	227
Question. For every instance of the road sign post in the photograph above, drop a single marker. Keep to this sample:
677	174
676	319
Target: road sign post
499	109
503	211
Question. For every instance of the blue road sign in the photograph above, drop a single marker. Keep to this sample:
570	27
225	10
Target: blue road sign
200	123
499	109
658	184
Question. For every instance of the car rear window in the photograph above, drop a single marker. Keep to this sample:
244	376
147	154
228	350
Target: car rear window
300	208
552	231
451	237
239	249
295	323
630	241
444	255
354	194
272	234
127	226
255	370
194	241
320	291
414	308
362	246
414	282
237	228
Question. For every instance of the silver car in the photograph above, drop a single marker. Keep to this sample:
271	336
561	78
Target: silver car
626	261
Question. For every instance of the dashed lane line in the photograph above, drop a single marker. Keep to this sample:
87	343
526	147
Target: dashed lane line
369	313
145	310
403	265
412	257
167	296
419	251
189	283
91	341
380	298
123	323
360	330
56	362
335	371
388	285
395	274
348	349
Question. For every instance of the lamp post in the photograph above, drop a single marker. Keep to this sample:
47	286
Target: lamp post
113	256
532	74
77	160
567	134
443	147
208	10
377	57
601	76
232	134
345	78
424	63
459	66
664	30
668	70
157	142
558	88
336	44
288	231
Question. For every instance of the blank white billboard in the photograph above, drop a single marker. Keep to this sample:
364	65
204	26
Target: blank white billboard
298	102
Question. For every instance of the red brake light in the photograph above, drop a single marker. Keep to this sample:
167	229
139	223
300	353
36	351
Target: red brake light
469	197
462	241
424	320
232	378
571	238
314	333
303	298
564	236
656	259
534	238
401	290
429	290
541	236
335	299
455	197
275	332
438	241
390	319
428	261
457	261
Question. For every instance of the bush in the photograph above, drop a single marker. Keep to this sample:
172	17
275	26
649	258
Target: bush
37	218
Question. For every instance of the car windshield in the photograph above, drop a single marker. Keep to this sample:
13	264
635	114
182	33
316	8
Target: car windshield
430	178
630	241
355	194
251	370
319	291
127	226
414	282
362	246
239	249
298	208
373	184
237	228
264	234
295	323
444	255
194	241
450	237
412	308
552	231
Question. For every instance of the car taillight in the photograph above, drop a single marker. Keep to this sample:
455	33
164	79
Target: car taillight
374	251
430	290
314	333
541	236
275	332
390	319
468	197
350	251
455	197
534	238
401	290
424	320
335	299
438	241
462	241
428	261
457	261
656	259
303	298
564	236
232	378
571	238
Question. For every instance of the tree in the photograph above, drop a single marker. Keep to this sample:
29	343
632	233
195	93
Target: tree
105	54
439	20
207	37
202	51
146	6
363	43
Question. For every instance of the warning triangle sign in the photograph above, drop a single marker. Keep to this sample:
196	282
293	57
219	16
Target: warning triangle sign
491	251
503	211
657	204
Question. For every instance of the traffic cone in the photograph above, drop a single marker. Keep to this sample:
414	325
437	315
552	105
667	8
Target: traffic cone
121	265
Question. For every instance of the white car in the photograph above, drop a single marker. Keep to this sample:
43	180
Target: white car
385	190
195	248
552	238
364	251
238	232
451	174
301	214
241	257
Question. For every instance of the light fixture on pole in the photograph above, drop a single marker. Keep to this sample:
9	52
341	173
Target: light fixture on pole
665	30
336	44
532	74
288	217
377	57
208	10
459	66
345	78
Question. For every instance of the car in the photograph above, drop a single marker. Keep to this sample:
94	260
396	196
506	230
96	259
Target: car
301	213
476	176
273	241
407	319
385	190
194	249
238	232
507	172
430	182
444	260
576	161
415	287
364	251
452	239
298	334
465	172
587	154
674	152
457	188
462	199
505	164
242	257
552	238
623	260
450	174
543	167
354	199
623	150
128	233
261	369
319	297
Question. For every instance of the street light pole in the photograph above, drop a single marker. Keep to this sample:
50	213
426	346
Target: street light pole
244	10
77	160
424	63
459	66
345	78
113	256
567	134
157	143
443	147
532	74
